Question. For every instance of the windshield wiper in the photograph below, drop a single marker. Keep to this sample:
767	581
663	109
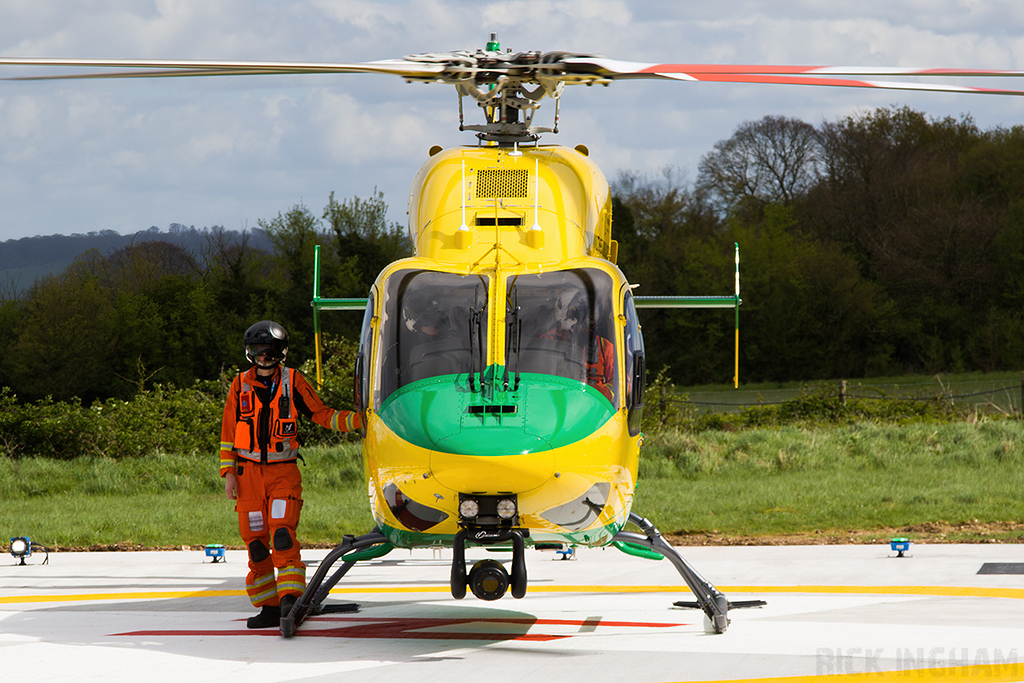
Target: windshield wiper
513	334
476	346
473	326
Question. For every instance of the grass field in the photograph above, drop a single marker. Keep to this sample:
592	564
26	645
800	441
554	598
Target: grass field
963	479
830	481
164	500
997	391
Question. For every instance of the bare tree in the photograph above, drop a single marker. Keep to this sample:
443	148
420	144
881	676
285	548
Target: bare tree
774	160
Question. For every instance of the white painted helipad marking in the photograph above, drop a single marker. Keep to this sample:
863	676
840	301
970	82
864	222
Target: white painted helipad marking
845	614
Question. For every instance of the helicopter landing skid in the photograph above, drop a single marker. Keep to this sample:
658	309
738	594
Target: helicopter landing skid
710	600
311	601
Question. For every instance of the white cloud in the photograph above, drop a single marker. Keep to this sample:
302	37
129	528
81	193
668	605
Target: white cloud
90	155
21	117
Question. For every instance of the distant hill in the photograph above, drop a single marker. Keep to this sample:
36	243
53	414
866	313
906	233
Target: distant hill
24	260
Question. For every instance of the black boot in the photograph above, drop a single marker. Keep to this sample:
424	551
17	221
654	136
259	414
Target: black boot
269	616
286	604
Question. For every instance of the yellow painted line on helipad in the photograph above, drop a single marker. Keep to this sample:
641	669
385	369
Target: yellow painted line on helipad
948	591
137	595
956	591
1007	672
945	591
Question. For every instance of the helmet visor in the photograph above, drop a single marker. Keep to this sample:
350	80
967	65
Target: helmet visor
264	354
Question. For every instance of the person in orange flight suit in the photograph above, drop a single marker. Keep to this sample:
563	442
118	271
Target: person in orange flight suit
600	360
258	454
601	366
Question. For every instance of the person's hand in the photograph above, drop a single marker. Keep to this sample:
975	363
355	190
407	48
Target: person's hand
231	485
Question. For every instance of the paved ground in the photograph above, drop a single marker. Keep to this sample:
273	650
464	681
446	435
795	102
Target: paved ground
849	612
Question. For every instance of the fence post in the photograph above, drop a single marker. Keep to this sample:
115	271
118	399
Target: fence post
842	391
662	407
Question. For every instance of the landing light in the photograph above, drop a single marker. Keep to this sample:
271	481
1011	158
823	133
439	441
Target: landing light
21	547
900	545
216	551
506	508
469	508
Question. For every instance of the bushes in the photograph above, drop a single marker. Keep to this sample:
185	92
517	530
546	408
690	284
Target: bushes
338	356
814	406
820	406
46	428
163	418
187	421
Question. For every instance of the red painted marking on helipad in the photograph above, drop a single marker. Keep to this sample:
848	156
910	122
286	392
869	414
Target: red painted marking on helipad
414	629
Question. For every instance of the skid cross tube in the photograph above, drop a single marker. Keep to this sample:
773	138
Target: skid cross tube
712	601
317	589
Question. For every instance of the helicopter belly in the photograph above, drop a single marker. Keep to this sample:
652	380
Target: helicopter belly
579	493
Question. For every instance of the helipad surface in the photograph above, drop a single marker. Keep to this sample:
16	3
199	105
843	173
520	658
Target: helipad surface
849	613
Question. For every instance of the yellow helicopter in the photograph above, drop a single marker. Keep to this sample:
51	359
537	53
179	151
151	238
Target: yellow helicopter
501	369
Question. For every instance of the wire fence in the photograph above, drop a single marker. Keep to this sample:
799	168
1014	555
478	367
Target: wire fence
998	395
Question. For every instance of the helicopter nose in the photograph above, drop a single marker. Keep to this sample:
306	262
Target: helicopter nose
520	472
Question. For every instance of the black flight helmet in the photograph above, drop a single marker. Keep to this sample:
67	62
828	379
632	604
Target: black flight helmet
266	344
426	310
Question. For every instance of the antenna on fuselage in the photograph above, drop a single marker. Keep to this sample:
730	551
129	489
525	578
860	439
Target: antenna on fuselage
463	237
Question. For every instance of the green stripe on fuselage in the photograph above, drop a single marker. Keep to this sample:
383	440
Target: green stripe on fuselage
444	414
596	537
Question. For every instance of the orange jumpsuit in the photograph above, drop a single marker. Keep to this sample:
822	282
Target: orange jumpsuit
601	367
259	444
600	361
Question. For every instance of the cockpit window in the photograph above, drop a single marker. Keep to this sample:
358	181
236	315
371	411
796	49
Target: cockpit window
565	322
635	366
434	324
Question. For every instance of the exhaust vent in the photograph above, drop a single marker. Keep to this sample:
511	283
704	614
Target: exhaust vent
501	221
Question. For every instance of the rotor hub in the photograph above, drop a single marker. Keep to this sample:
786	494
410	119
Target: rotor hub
507	86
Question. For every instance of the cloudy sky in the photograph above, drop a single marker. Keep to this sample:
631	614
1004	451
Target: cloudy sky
125	155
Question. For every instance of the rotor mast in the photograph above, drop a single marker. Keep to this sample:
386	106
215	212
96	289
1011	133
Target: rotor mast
507	103
507	86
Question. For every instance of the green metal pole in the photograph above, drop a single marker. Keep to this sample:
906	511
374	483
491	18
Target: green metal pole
316	315
736	375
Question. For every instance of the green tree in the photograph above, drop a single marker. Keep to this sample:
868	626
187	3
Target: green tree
234	293
365	239
672	243
295	235
896	196
64	344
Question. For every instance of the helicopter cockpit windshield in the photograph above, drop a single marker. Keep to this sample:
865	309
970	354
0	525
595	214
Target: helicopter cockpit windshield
567	327
434	325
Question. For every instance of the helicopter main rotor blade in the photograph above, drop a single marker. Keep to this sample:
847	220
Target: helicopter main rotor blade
156	68
613	68
828	76
528	67
847	83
